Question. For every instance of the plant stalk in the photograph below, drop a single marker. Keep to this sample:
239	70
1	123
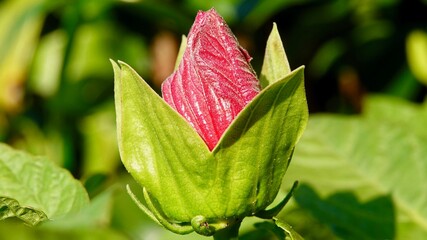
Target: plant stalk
230	233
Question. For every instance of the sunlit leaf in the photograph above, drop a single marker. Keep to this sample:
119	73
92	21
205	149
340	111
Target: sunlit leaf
10	208
416	51
399	112
97	214
20	25
34	140
38	183
11	230
370	157
291	234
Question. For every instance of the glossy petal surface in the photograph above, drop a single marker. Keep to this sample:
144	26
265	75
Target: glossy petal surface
214	80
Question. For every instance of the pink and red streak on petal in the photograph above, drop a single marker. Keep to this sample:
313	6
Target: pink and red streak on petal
214	80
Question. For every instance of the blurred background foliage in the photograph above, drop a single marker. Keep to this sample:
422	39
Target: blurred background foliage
56	81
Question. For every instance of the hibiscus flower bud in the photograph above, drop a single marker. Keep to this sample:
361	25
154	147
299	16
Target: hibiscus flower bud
214	80
216	148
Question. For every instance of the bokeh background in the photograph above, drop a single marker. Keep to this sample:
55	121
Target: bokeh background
56	81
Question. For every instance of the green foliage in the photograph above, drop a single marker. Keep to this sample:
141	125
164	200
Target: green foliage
37	184
56	92
290	232
416	49
11	208
367	170
19	231
97	214
100	141
349	218
20	24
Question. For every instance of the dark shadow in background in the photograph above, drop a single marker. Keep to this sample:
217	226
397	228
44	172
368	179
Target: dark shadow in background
349	218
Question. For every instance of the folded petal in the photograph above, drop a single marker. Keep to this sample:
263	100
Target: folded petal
214	80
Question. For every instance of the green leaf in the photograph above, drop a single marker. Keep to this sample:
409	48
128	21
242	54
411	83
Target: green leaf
227	8
350	218
10	208
305	223
181	51
97	214
263	230
416	51
403	85
270	213
258	146
326	56
11	230
290	232
370	157
39	184
278	229
20	25
276	65
398	112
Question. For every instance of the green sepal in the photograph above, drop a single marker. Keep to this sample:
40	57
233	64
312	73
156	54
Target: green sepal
270	213
181	51
160	149
176	227
142	206
275	66
255	150
290	232
199	223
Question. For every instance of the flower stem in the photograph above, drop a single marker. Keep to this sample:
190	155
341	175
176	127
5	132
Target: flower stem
230	233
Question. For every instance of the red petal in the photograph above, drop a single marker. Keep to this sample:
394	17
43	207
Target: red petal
214	80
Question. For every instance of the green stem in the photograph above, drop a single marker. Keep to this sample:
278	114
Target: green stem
230	233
